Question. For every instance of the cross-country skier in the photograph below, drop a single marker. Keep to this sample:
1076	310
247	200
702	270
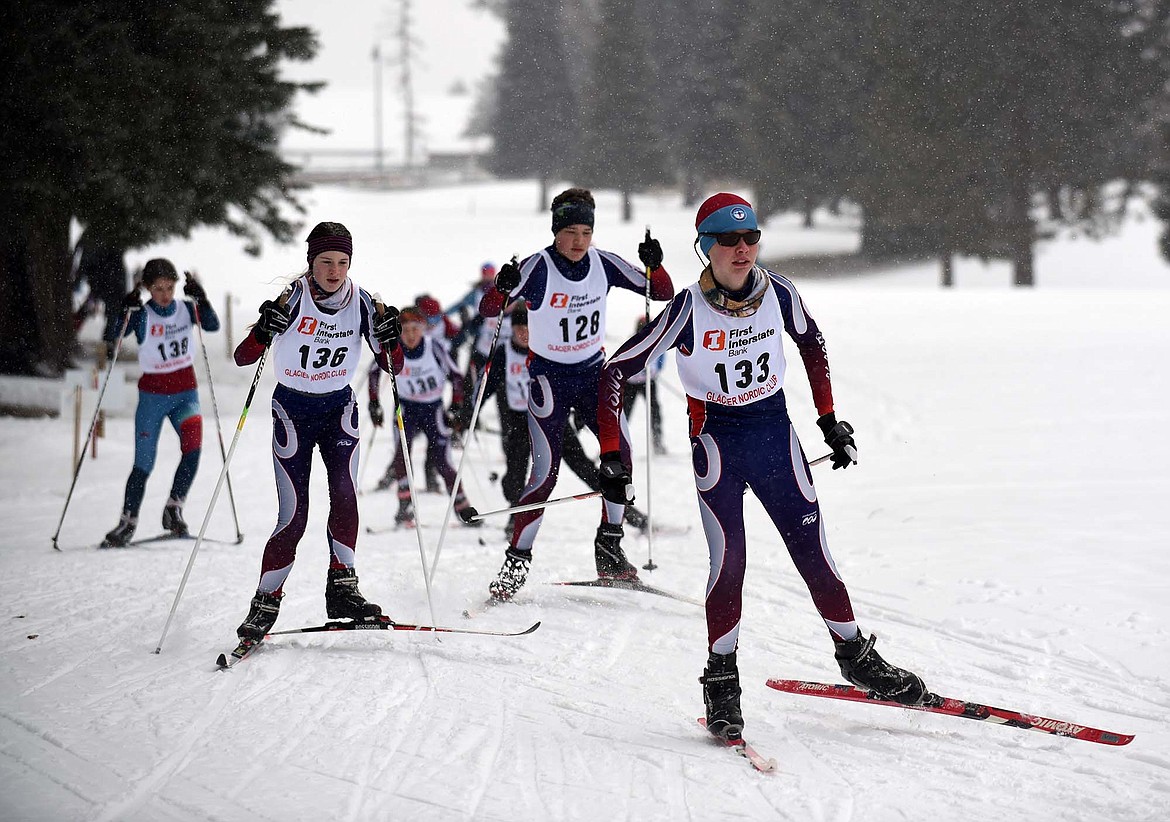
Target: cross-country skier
426	370
508	380
565	287
316	337
167	389
725	330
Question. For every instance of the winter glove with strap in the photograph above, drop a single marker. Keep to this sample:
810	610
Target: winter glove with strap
614	477
839	437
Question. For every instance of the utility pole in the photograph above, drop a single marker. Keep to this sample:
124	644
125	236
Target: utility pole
406	45
379	153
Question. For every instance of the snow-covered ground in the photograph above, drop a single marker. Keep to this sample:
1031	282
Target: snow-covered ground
1006	534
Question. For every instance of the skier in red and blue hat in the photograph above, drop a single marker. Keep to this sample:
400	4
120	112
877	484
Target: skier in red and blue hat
730	356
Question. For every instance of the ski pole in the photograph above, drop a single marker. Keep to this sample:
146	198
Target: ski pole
92	424
215	413
227	460
650	565
479	395
474	515
404	444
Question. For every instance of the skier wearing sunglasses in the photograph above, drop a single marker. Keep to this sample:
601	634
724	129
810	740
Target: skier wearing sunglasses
725	329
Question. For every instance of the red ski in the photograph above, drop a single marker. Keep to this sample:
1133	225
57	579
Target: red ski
936	704
745	750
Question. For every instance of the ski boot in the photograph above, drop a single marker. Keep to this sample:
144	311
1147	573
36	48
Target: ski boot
343	600
608	554
123	533
861	665
512	575
405	515
261	617
433	486
172	518
721	696
462	505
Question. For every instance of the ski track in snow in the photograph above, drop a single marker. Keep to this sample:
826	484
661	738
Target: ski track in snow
1003	535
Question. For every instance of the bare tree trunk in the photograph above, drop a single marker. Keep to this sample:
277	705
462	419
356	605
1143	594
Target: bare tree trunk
543	200
35	277
627	205
947	265
1021	196
692	189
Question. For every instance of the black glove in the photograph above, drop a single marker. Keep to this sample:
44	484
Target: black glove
193	289
614	478
508	277
650	252
839	437
459	416
274	319
132	300
377	415
387	328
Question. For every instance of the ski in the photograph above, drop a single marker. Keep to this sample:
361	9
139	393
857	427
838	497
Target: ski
758	761
166	537
387	625
956	707
386	529
487	605
242	650
246	647
630	585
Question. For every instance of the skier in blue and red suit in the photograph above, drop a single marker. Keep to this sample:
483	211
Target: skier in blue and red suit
565	287
167	389
730	356
427	368
316	336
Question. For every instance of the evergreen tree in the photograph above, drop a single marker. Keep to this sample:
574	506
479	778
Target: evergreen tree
622	147
691	48
536	113
976	107
151	120
804	86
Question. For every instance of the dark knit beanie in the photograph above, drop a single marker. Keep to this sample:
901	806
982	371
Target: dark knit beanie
573	206
329	237
156	269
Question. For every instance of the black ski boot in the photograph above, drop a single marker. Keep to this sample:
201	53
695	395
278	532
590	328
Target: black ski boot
123	533
405	515
861	665
172	518
721	696
343	600
461	504
261	617
512	575
608	554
